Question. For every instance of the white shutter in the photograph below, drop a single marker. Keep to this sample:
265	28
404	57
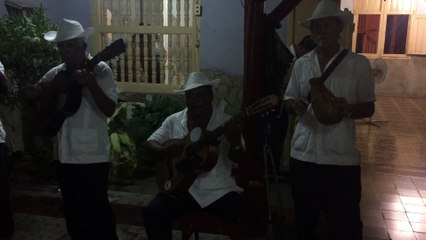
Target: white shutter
417	32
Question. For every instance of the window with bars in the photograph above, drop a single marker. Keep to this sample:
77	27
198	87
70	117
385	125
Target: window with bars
162	39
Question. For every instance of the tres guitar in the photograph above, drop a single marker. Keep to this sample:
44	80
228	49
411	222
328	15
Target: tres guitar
200	153
62	97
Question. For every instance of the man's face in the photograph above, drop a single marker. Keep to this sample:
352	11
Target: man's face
72	51
199	100
326	31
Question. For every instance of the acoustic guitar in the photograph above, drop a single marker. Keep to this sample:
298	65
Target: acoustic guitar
62	97
177	171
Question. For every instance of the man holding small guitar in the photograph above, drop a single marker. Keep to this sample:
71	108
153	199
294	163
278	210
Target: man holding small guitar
83	135
213	189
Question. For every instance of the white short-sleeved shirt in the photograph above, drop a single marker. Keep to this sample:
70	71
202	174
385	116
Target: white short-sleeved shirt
2	132
329	144
84	138
209	186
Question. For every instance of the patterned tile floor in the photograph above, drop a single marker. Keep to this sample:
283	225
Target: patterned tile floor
393	175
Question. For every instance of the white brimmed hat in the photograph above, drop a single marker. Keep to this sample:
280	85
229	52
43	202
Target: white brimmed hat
328	8
68	29
198	79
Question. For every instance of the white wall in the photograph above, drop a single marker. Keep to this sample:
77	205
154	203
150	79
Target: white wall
2	8
347	4
222	34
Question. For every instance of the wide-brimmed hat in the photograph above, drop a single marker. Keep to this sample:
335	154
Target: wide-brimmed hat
68	29
198	79
328	8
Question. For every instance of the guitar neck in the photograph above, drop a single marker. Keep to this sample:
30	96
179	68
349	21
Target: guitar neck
111	51
258	107
90	65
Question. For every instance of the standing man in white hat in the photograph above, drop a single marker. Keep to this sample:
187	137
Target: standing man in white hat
325	164
83	138
215	190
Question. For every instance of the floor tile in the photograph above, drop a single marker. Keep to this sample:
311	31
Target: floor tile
408	192
401	235
392	215
406	200
370	232
416	217
392	206
398	225
419	227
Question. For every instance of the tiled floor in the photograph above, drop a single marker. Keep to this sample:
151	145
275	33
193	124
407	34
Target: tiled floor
393	175
394	170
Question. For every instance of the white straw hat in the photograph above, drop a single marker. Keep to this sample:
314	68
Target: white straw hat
198	79
328	8
68	29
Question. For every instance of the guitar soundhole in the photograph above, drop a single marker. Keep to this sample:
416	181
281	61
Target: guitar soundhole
195	134
167	185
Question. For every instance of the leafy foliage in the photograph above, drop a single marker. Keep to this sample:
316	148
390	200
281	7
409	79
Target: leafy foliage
27	57
129	127
24	52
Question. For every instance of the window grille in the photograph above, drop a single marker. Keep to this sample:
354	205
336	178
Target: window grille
162	38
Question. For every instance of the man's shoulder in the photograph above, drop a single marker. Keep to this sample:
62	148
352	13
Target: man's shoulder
359	58
177	116
103	64
54	70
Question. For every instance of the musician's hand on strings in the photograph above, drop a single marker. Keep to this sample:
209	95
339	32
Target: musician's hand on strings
84	77
298	106
344	107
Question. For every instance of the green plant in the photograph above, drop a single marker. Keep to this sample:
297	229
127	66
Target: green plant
129	127
24	52
26	57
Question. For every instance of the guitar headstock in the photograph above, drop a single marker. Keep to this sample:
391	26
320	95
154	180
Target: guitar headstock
263	105
113	50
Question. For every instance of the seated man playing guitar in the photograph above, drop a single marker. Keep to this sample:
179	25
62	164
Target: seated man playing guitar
212	189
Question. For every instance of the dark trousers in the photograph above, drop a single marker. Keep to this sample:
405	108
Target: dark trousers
277	132
6	217
336	190
88	213
165	209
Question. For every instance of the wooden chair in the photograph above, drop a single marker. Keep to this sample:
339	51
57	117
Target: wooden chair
201	221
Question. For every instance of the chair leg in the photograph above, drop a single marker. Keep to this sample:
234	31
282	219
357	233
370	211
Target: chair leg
186	233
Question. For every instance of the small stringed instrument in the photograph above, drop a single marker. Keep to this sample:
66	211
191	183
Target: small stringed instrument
200	152
62	97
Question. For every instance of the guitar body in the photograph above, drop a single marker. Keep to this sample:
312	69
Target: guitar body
171	180
59	99
62	97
